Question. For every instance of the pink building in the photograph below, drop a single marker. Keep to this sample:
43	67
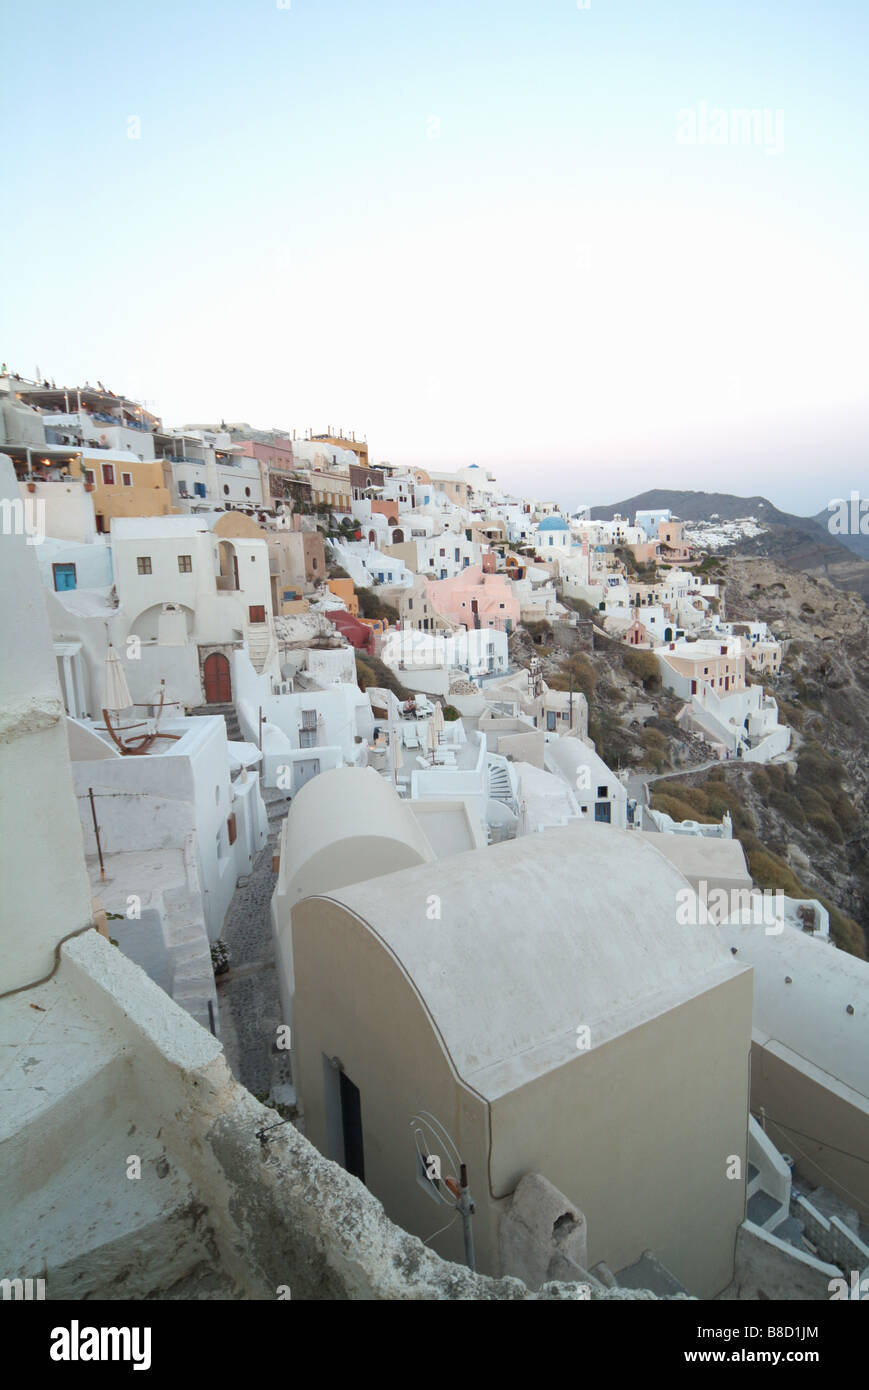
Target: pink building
474	599
675	550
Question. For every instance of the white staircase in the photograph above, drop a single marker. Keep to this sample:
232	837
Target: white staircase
259	645
500	782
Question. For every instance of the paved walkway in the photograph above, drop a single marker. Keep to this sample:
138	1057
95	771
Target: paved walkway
250	1010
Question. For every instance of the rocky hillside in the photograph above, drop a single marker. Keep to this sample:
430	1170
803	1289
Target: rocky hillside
803	822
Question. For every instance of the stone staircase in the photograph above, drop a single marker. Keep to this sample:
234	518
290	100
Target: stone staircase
230	717
259	644
277	803
193	986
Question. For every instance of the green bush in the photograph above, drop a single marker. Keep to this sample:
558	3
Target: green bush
371	671
825	826
370	606
677	808
579	605
643	666
846	933
451	714
769	871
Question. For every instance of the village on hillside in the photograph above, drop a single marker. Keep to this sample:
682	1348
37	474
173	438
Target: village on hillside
320	748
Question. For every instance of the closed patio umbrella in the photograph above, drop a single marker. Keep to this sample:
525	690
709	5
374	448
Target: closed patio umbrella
116	693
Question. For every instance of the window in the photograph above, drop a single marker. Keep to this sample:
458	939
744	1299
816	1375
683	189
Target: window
108	474
127	479
231	828
313	563
458	554
443	552
247	492
226	489
199	489
602	792
409	604
257	613
603	812
64	576
309	719
90	476
307	738
185	564
143	564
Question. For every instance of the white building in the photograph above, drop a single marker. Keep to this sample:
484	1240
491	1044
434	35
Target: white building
600	794
178	827
367	566
552	536
477	652
302	733
440	556
210	471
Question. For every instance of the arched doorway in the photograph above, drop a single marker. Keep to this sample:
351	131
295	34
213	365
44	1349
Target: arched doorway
218	683
398	536
372	537
228	577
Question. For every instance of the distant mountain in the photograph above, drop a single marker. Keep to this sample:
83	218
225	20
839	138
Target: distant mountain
801	543
858	544
696	506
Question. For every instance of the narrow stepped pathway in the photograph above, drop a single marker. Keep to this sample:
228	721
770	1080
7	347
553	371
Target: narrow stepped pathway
230	716
250	1009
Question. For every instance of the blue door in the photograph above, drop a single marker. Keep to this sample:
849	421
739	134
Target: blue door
64	577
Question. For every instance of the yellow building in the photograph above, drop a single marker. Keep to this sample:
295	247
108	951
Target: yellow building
331	490
122	485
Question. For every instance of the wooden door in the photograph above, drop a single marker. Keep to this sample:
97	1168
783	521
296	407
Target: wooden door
218	685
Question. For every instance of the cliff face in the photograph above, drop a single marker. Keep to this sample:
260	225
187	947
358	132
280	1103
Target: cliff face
817	817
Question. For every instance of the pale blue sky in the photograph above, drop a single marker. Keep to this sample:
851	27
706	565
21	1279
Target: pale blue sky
466	230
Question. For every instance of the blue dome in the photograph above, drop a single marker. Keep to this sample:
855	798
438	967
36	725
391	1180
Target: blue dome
553	523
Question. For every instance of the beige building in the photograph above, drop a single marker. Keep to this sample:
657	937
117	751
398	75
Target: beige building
687	667
297	559
415	608
538	998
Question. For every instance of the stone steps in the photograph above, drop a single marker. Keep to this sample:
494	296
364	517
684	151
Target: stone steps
230	718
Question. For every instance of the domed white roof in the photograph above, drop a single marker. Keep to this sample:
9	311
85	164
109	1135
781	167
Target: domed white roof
536	937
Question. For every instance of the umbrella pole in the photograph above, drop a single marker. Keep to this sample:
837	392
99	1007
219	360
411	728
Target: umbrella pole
97	834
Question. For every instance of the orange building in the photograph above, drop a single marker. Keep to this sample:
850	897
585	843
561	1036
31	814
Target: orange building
345	590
